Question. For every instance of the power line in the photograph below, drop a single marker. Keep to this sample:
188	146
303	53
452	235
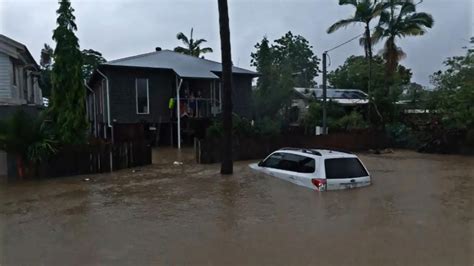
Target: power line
350	40
344	43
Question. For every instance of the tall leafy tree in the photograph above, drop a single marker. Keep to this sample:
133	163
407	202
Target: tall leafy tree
191	46
91	59
263	61
227	164
286	63
353	74
294	53
68	93
401	20
46	62
453	96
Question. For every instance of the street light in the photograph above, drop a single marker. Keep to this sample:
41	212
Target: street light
325	129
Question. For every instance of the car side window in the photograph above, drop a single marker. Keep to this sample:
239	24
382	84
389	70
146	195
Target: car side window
307	165
297	163
273	161
291	162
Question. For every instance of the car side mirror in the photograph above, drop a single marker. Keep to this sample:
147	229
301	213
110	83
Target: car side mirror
260	163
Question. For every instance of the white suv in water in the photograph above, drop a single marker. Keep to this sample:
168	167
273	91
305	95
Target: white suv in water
316	169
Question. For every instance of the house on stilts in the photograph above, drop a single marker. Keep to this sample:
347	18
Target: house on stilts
164	97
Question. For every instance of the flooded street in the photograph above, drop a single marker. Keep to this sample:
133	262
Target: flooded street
419	211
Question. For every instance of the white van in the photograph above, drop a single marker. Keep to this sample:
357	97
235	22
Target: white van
315	168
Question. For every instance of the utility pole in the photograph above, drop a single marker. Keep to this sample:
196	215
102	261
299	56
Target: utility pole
325	129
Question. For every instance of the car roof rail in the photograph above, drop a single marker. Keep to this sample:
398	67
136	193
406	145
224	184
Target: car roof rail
334	149
309	151
312	152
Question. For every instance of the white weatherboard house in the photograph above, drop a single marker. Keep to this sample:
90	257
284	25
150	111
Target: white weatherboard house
19	88
19	75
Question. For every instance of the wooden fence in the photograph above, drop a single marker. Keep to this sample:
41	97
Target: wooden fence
209	150
87	159
99	158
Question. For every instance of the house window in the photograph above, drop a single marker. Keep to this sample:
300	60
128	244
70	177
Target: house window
142	96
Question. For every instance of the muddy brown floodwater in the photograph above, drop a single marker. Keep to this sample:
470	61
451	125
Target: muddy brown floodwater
419	211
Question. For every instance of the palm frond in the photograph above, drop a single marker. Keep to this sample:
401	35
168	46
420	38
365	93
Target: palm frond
406	8
341	24
182	50
384	18
422	18
199	42
180	36
379	8
348	2
377	35
411	30
206	50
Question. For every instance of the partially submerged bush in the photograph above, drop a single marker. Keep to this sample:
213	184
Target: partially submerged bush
242	127
314	116
28	138
402	135
215	130
337	118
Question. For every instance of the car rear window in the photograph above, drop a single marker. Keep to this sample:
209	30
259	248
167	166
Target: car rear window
344	168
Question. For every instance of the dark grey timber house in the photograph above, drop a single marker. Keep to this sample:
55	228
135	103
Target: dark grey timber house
160	96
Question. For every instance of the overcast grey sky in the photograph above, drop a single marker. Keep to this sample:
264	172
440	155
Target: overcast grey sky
120	28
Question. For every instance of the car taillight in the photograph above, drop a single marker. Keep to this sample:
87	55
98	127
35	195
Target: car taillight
319	183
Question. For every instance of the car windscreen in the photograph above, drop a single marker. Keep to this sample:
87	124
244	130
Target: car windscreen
344	168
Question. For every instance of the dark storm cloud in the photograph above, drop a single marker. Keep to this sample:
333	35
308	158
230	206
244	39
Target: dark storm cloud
122	28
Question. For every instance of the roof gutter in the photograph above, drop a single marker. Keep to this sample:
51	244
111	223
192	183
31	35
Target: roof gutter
108	117
108	96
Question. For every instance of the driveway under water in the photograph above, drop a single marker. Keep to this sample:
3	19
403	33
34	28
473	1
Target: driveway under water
419	211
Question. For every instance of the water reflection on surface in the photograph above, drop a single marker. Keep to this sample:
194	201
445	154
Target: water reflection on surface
419	211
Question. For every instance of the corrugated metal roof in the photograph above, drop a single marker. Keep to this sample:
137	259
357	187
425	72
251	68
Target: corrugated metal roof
185	66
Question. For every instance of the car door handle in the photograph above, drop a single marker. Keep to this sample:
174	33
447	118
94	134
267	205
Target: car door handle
352	180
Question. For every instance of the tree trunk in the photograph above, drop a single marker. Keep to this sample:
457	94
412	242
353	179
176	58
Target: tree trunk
226	165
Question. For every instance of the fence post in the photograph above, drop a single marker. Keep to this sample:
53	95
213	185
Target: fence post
111	157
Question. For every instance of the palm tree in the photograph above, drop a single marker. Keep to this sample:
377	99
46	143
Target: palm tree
407	22
46	56
227	164
192	47
366	11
